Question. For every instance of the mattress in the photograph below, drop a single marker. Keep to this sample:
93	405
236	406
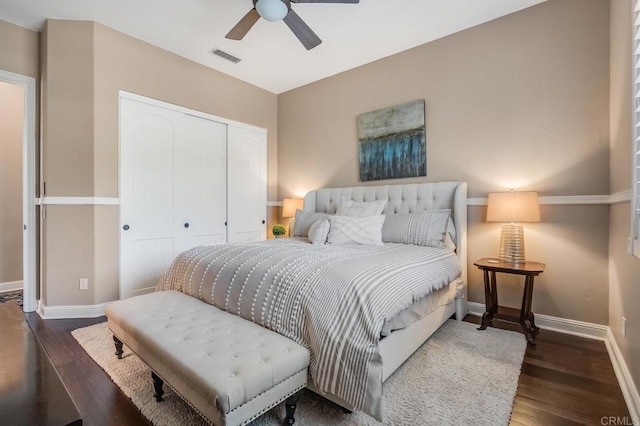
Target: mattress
420	309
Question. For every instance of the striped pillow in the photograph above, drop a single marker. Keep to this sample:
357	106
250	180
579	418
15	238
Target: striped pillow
319	232
304	220
427	228
355	230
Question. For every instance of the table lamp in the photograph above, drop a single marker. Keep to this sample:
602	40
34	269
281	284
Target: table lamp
289	207
512	208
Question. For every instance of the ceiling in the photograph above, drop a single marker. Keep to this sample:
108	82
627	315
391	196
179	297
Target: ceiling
272	57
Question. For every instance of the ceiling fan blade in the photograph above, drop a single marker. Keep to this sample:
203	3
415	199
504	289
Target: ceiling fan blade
242	28
301	30
326	1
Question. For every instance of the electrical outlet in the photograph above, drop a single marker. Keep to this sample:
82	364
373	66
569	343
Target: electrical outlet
84	284
624	327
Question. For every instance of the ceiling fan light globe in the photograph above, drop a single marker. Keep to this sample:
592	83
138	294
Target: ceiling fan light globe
272	10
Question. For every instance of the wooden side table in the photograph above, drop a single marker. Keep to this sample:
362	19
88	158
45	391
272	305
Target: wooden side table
530	270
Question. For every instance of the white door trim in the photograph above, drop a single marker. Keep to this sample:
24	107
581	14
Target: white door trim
28	185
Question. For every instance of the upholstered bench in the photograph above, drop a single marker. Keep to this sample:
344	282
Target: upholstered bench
229	369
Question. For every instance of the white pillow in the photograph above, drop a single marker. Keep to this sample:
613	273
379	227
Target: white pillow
355	230
432	228
360	208
304	220
319	232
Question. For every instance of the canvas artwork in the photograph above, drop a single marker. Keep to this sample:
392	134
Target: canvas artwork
392	142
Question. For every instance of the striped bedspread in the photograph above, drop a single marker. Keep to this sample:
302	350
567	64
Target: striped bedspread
333	300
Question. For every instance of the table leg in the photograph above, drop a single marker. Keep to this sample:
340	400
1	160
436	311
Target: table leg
488	300
533	323
531	316
525	314
494	293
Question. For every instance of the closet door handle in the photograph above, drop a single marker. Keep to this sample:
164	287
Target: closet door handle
126	227
263	222
186	225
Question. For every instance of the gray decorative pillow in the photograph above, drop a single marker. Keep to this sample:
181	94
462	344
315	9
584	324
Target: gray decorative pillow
432	228
450	238
355	230
304	220
360	208
319	232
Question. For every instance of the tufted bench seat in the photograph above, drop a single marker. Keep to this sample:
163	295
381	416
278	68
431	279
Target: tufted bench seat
227	368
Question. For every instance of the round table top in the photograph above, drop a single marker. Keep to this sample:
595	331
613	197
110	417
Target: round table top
494	264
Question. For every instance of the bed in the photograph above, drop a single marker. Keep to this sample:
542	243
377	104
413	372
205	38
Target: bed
360	310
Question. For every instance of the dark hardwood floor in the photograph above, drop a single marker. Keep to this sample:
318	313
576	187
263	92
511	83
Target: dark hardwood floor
565	380
31	392
99	400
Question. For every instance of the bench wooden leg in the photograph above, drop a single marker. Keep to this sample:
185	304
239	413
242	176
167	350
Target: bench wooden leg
290	405
118	344
157	387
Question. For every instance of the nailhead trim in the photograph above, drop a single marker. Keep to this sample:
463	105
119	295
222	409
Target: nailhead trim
237	408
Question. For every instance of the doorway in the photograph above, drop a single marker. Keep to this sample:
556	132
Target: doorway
18	186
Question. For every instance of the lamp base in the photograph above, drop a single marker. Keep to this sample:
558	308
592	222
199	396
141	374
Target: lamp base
512	244
292	222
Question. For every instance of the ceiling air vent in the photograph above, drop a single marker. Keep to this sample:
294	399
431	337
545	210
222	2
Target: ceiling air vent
225	55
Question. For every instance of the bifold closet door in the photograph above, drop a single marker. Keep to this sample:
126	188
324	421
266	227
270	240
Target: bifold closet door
172	190
246	184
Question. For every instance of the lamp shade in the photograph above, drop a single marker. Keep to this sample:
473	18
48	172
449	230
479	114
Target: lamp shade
290	205
514	206
272	10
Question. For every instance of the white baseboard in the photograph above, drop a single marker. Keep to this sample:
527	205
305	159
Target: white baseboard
73	311
561	325
10	286
627	385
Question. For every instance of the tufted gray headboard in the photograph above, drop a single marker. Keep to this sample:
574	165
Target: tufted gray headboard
408	198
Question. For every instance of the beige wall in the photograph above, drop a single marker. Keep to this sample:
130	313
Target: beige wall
624	269
85	66
68	160
522	101
572	242
11	126
68	109
18	49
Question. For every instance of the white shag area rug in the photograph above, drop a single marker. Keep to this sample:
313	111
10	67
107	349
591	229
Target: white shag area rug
459	376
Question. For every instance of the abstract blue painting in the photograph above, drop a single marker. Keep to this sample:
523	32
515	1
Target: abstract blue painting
392	142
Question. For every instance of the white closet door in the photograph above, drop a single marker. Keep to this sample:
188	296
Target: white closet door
246	184
148	136
173	190
201	180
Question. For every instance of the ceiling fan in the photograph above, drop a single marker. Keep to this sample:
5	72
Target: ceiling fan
276	10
